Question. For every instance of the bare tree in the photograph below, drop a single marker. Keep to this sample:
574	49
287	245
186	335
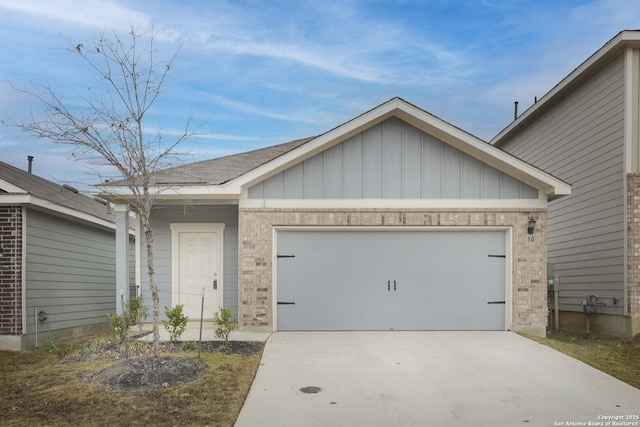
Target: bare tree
110	129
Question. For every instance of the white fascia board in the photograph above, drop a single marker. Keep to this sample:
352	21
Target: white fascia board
400	204
631	38
10	188
177	192
28	199
14	199
45	204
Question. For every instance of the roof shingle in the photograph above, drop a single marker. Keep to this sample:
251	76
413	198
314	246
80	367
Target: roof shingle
51	192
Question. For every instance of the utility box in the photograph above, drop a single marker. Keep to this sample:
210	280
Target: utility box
553	281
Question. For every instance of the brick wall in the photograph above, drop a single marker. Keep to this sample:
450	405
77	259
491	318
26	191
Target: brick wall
11	270
529	294
633	250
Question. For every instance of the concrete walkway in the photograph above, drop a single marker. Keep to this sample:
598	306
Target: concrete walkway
428	379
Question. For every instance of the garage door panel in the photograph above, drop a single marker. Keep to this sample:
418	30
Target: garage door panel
344	280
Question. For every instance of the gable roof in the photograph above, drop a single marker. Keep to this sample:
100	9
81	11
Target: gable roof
600	59
20	187
289	154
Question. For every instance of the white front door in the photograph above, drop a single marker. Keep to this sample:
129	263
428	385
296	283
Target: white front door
197	265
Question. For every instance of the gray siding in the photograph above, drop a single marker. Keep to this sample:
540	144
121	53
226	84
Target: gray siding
70	272
580	140
391	160
161	217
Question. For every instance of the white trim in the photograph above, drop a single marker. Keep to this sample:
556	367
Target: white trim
176	229
631	163
29	199
138	255
24	271
221	192
508	278
14	199
630	111
11	188
479	204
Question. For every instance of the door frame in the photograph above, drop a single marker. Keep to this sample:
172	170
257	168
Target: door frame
508	248
181	227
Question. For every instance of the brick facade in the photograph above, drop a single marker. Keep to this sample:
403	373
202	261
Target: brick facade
633	251
11	270
529	294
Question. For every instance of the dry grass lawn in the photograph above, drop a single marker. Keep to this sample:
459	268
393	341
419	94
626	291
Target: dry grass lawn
39	390
617	357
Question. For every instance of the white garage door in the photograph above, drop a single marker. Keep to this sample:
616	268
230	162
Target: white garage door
382	280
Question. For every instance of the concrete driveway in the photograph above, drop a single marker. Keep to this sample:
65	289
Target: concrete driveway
429	379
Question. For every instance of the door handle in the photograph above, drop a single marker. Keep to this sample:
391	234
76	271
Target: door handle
495	302
394	285
388	285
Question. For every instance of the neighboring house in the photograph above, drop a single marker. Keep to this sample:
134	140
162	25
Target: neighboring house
392	220
586	131
57	255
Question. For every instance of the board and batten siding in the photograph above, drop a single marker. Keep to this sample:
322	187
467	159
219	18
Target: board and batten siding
70	272
391	160
580	140
161	218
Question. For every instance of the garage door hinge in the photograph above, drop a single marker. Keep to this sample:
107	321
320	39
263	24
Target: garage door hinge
497	256
285	256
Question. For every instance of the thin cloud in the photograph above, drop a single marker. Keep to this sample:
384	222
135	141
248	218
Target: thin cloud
261	112
86	13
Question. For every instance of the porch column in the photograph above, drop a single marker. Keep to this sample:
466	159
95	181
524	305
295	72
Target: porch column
122	254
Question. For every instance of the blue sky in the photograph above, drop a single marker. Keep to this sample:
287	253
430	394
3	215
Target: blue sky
254	73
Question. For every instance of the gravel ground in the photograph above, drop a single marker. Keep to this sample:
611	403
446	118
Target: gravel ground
137	371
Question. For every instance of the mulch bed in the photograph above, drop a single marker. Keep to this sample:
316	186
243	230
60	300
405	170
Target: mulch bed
138	370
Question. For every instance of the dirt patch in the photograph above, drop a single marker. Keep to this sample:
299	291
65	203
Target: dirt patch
138	373
137	369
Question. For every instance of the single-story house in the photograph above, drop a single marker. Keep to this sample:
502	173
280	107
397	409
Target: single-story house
57	260
394	220
586	131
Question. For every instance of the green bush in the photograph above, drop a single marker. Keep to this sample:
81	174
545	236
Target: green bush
176	322
224	320
189	346
117	325
139	346
137	310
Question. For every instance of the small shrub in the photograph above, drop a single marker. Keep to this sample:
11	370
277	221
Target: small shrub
137	311
189	346
224	320
98	343
176	322
117	325
139	346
